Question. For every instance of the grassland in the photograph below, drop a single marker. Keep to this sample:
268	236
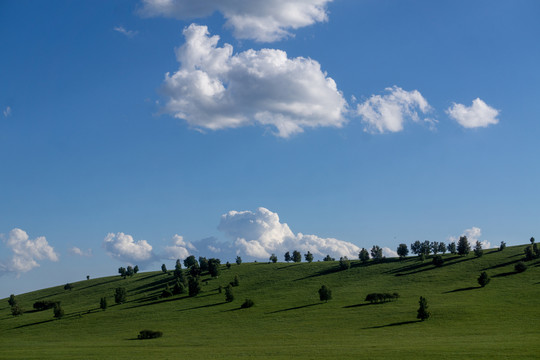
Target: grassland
499	321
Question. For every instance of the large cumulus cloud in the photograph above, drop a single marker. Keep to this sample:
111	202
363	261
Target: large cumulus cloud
123	247
216	89
26	252
261	20
260	233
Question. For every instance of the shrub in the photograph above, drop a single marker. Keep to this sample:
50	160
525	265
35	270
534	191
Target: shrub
120	295
214	267
247	304
483	279
423	313
235	282
438	260
529	253
149	334
44	305
58	311
16	310
375	298
229	296
329	258
68	286
167	292
520	267
228	264
178	288
344	263
325	293
103	303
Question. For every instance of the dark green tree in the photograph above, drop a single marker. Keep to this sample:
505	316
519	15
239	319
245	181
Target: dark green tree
478	252
344	263
12	300
363	255
167	292
463	246
236	281
452	249
163	268
308	257
68	286
529	253
103	303
296	256
416	247
190	261
247	304
122	272
438	260
502	246
536	250
483	279
434	247
532	240
520	267
16	310
194	285
376	253
423	313
195	270
136	269
442	247
229	296
288	256
203	263
425	248
238	260
329	258
178	288
325	293
58	311
228	264
129	271
273	258
214	267
402	251
120	295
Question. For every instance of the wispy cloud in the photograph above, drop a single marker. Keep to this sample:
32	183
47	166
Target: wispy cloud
123	30
479	114
7	111
78	252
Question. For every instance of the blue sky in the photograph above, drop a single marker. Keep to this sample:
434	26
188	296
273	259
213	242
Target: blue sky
129	133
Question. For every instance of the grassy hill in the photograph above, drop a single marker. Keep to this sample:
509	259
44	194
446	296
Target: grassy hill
499	321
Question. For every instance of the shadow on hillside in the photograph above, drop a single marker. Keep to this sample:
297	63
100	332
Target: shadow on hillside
501	265
153	286
359	305
36	323
506	274
395	324
288	266
100	283
428	265
462	289
204	306
148	301
321	273
295	308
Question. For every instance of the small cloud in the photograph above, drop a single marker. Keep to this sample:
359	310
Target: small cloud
389	112
7	111
387	252
473	235
78	252
479	114
123	247
179	249
26	252
123	30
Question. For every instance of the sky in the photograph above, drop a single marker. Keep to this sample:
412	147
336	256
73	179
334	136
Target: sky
139	132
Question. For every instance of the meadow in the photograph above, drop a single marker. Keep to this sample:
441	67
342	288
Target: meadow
498	321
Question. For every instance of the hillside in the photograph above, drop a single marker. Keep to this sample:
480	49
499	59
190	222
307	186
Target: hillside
499	321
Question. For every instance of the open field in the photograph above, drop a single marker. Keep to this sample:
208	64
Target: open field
500	321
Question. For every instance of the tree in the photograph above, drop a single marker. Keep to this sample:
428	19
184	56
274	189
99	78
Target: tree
520	267
12	301
329	258
229	296
194	285
178	288
214	267
402	251
167	292
376	253
532	240
344	263
438	260
238	260
529	253
423	313
273	258
288	257
228	265
136	269
416	247
452	248
122	272
442	247
478	252
58	311
236	281
203	263
483	279
502	246
129	271
163	268
434	247
68	286
308	257
296	256
190	261
195	270
16	310
463	246
103	303
120	295
425	248
87	277
363	255
325	293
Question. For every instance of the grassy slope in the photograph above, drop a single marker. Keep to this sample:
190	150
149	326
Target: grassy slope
499	321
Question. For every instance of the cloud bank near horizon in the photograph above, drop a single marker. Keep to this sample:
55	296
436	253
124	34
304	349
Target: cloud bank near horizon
216	89
259	20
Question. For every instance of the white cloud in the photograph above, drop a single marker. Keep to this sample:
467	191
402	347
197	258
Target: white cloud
479	114
123	247
259	234
78	252
216	89
180	249
387	252
388	113
261	20
26	252
123	30
473	235
7	111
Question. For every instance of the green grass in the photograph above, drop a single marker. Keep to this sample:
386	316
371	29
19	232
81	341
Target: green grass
499	321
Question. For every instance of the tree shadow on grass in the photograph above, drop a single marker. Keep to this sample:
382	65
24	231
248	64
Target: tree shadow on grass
321	273
360	305
289	266
395	324
501	265
36	323
427	266
294	308
463	289
204	306
506	274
